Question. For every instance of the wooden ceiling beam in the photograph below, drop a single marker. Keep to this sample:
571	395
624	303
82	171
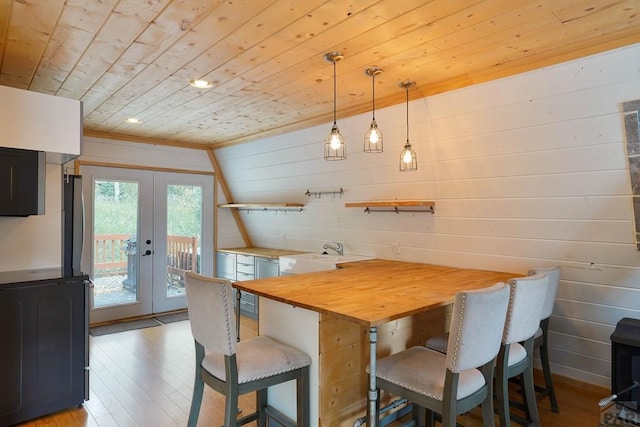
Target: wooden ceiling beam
229	198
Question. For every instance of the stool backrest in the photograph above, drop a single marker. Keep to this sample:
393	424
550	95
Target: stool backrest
477	324
210	304
525	306
552	290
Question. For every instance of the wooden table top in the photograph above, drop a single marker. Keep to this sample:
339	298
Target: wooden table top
375	291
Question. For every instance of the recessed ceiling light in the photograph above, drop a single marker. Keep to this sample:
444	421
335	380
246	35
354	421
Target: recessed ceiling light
200	84
133	120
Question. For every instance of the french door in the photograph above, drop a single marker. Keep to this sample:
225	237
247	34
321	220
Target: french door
144	230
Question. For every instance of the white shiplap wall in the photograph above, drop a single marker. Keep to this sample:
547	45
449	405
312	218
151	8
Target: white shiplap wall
525	171
35	241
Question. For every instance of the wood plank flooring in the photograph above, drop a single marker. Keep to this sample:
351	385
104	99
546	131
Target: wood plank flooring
145	378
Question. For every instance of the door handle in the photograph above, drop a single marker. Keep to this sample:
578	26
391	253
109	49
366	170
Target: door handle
147	252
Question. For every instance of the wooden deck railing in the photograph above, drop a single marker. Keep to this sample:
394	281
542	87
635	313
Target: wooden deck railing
182	256
110	254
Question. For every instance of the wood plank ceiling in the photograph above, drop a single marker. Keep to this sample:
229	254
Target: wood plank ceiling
135	58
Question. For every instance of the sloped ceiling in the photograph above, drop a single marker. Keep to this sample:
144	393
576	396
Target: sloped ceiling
265	58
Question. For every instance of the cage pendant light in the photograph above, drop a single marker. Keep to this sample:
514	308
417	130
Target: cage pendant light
373	136
334	145
408	158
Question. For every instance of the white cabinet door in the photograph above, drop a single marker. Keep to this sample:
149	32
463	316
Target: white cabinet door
267	267
226	265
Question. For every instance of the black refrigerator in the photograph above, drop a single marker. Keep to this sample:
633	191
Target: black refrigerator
44	325
72	224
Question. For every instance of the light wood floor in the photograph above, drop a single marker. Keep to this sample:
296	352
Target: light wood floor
145	378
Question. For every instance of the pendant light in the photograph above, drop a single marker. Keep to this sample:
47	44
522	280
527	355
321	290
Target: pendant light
334	145
408	158
373	137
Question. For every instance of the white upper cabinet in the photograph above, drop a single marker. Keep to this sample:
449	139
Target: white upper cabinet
41	122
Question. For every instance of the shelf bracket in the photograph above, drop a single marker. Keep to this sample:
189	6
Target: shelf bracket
276	210
396	210
319	194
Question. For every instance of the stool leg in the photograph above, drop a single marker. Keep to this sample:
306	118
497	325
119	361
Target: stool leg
231	409
530	395
198	388
502	387
303	398
262	398
546	371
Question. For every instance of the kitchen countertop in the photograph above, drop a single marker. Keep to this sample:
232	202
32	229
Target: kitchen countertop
262	252
373	292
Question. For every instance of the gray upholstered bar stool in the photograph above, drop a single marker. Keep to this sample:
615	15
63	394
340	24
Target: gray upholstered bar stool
235	368
541	336
516	353
459	381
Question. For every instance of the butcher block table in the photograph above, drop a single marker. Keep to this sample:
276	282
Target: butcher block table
371	294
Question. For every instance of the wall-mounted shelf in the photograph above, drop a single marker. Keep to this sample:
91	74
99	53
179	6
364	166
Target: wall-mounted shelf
394	206
264	206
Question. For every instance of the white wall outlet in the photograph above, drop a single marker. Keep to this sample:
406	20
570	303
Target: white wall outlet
395	248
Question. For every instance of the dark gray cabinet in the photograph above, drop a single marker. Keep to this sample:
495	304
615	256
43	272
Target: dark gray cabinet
44	339
22	182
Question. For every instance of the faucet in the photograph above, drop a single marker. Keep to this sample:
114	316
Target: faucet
339	249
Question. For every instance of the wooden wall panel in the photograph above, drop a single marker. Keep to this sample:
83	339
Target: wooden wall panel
571	344
345	355
25	38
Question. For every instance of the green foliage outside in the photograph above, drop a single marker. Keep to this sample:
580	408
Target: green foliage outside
115	208
116	212
184	212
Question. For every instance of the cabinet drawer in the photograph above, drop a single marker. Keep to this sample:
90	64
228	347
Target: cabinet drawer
248	297
245	268
248	309
242	276
245	259
267	267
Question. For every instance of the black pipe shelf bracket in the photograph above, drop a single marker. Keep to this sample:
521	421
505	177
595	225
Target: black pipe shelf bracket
396	210
395	206
319	194
264	207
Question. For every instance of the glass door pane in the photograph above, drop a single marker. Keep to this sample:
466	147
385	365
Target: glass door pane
115	224
118	241
183	232
184	235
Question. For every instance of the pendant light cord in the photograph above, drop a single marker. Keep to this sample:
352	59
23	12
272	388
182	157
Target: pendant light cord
335	92
407	114
373	90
